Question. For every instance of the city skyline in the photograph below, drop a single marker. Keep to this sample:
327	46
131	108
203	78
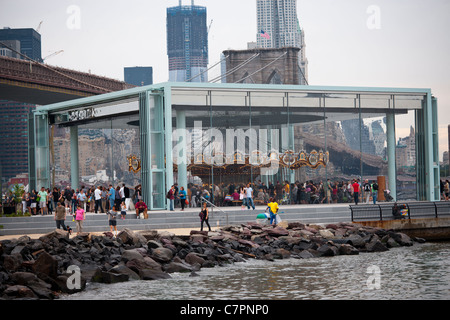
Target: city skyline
350	43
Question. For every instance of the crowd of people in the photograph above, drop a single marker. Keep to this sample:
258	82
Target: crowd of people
77	202
247	195
93	199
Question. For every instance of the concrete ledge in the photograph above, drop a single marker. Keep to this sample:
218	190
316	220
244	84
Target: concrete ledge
429	228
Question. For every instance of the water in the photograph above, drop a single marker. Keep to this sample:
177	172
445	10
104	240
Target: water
421	272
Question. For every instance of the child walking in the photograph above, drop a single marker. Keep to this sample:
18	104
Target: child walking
123	211
112	220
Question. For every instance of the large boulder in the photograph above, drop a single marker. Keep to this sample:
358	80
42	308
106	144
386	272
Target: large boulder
151	274
346	249
124	270
178	266
356	240
130	237
277	232
375	245
57	233
162	255
326	233
12	262
132	254
46	264
401	238
193	258
19	291
146	263
109	277
328	250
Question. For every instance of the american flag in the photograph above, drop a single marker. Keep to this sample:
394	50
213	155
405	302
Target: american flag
265	35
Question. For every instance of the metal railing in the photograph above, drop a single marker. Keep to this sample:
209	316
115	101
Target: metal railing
414	210
203	199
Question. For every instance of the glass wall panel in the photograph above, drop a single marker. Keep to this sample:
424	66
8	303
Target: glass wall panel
374	162
405	152
309	170
42	150
158	193
108	152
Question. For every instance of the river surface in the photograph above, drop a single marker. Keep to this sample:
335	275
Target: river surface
421	272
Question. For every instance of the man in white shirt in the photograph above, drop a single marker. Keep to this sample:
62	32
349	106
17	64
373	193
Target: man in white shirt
98	199
249	194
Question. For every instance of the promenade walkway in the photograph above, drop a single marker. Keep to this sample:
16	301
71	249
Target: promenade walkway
188	219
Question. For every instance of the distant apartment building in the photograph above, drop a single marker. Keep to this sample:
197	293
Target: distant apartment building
278	27
14	137
138	76
187	43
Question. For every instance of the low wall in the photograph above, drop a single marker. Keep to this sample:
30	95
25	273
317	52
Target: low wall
428	228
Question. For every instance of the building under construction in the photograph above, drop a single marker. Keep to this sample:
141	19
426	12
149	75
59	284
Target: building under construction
187	43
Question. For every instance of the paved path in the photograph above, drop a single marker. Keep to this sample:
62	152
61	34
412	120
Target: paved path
326	213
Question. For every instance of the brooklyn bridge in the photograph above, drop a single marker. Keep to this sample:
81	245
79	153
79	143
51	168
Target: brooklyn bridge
38	83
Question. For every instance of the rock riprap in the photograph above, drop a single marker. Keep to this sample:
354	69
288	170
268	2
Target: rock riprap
56	264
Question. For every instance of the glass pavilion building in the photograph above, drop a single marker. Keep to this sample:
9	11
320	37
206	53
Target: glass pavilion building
213	134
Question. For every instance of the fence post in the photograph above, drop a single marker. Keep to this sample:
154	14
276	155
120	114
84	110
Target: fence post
351	210
409	211
435	209
381	213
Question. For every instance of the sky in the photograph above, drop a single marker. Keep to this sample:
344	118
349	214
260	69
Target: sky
377	43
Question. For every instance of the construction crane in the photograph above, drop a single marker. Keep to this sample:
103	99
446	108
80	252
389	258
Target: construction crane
209	27
39	26
53	54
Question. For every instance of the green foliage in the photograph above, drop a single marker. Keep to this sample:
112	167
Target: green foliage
17	192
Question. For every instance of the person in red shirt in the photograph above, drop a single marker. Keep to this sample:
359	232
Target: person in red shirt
141	207
356	188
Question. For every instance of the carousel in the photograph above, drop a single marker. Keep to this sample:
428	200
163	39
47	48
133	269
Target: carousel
242	168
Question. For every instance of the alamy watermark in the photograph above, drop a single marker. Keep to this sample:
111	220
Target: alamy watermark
73	21
374	280
74	280
374	19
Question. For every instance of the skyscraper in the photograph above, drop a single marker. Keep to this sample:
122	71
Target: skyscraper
187	43
278	27
30	41
14	115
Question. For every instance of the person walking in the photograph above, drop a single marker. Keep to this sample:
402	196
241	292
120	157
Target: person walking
60	216
171	197
182	195
80	216
367	190
112	219
356	188
272	206
204	217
